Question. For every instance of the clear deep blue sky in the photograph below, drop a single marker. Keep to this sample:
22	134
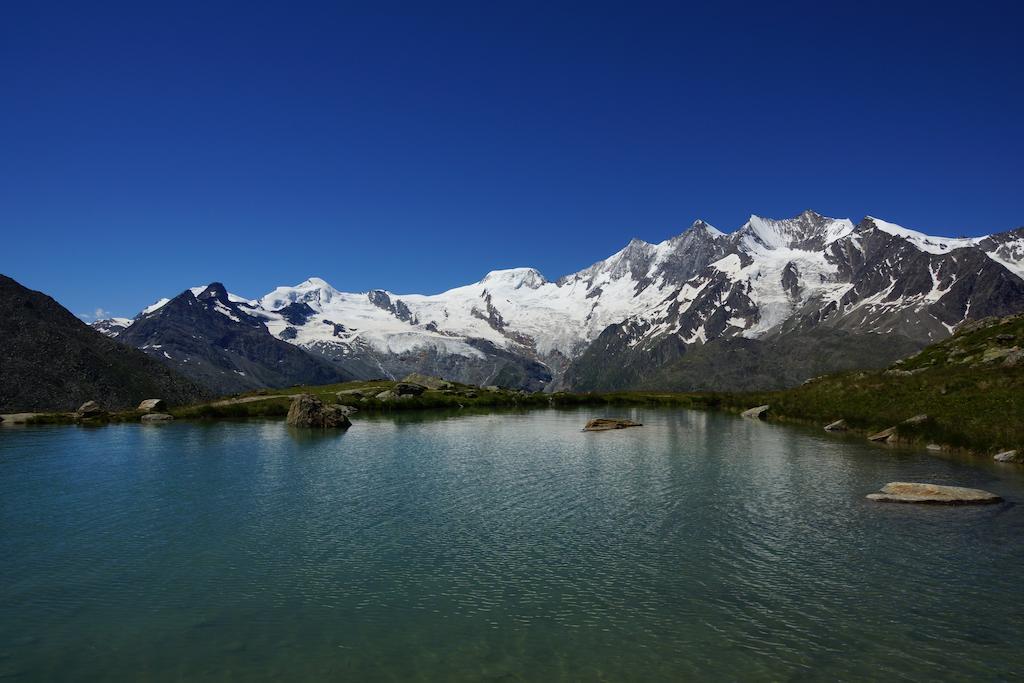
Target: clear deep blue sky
147	147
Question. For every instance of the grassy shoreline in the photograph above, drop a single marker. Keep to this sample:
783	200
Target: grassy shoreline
970	387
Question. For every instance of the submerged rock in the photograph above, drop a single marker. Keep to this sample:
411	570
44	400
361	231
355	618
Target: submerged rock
309	411
152	405
757	413
837	426
936	494
157	417
1009	456
603	424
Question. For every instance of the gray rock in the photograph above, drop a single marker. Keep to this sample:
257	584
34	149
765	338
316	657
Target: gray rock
1009	456
409	389
883	436
310	412
837	426
354	393
1013	358
157	417
603	424
386	396
934	447
492	387
916	420
913	492
90	409
435	383
152	405
757	413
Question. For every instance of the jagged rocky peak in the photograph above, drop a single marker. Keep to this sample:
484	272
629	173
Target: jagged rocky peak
702	228
810	231
215	291
515	278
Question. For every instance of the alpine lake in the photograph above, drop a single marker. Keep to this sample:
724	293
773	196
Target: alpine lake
506	546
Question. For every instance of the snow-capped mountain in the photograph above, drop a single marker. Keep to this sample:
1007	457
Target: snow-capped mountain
865	293
221	341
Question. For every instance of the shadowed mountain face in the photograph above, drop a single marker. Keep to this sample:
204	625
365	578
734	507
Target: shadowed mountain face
215	339
51	360
768	305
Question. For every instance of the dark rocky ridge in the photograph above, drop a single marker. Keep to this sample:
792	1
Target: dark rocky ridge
224	346
51	360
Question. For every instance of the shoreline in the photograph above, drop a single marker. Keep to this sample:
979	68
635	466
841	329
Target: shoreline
363	397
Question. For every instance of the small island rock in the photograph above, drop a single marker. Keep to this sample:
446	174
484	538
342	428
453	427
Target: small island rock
157	417
935	494
837	426
309	411
603	424
757	413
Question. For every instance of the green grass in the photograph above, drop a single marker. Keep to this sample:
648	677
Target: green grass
973	400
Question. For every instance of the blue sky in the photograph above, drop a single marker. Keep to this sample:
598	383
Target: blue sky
148	147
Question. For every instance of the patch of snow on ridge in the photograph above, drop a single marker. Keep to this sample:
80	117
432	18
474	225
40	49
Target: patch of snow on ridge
928	243
1013	248
155	306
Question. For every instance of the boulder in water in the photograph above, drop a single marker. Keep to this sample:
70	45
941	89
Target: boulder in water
837	426
757	413
935	494
1009	456
603	424
157	417
309	411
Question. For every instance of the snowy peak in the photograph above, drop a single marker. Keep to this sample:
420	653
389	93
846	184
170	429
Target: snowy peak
810	231
314	292
514	278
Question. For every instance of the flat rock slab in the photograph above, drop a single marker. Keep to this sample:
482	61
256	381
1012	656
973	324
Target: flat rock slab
757	413
17	418
604	424
934	494
883	436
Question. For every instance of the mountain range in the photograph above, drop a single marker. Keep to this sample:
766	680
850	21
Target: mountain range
768	305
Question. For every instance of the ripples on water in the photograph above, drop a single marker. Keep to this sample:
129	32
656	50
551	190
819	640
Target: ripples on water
497	547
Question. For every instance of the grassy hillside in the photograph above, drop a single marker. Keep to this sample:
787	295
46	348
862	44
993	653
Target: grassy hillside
971	386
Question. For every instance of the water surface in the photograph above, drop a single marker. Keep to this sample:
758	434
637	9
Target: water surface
497	547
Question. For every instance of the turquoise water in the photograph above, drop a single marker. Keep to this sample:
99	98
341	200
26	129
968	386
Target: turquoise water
498	547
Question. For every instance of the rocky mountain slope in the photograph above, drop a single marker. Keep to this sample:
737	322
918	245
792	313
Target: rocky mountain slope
768	305
51	360
218	340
